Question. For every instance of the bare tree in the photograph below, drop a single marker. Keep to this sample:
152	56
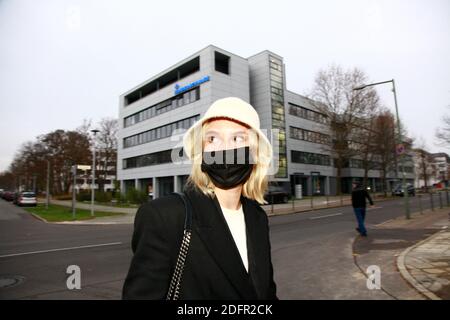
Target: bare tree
85	127
65	149
367	147
443	133
7	180
384	144
347	111
107	145
424	163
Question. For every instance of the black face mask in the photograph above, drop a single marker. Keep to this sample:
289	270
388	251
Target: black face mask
228	168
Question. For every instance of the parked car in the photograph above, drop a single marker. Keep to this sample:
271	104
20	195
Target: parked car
398	190
276	194
25	198
8	195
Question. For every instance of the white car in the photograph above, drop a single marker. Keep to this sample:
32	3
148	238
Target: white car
26	198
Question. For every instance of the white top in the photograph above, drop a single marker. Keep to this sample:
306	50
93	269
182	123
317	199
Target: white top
236	223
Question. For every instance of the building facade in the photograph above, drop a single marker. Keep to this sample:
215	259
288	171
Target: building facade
441	162
153	115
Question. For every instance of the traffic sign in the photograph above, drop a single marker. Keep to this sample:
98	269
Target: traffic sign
400	149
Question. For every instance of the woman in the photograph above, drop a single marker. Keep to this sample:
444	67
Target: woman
229	255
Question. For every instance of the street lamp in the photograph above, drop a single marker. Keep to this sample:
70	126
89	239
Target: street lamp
94	131
399	137
47	187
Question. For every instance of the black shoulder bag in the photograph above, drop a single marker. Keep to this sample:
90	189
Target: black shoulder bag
175	283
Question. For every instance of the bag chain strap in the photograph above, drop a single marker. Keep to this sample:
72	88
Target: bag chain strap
175	283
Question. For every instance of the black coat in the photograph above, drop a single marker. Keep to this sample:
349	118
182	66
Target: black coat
214	268
359	198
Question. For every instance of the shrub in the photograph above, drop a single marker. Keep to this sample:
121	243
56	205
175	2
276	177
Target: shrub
102	196
84	196
63	197
136	196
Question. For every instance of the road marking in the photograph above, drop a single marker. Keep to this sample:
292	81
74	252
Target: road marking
60	249
328	215
374	208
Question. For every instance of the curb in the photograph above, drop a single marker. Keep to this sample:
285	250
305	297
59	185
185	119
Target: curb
408	277
269	214
38	217
77	223
81	223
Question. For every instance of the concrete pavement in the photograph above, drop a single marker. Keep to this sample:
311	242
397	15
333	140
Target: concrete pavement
426	266
388	245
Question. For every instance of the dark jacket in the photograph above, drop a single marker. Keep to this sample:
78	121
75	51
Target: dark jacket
359	198
214	269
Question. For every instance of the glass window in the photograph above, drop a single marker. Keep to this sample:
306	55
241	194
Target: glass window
276	78
276	85
276	73
221	62
152	135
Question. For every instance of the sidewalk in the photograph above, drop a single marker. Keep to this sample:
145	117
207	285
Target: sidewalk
127	216
413	255
296	206
97	207
427	266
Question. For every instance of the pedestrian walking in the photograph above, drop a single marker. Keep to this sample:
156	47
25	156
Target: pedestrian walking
359	196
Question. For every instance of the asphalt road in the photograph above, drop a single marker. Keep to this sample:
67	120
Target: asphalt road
312	254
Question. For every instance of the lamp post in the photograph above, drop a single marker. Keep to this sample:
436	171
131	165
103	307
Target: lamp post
399	137
94	131
47	187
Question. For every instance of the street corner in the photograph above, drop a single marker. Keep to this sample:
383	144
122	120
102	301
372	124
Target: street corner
426	266
384	247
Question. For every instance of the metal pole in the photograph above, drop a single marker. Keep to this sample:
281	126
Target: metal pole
93	181
402	156
93	173
446	195
74	173
47	189
440	200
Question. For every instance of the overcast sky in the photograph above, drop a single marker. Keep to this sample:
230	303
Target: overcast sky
64	61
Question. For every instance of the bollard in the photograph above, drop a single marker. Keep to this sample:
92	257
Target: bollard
342	200
327	200
431	200
446	195
440	200
293	204
420	204
312	202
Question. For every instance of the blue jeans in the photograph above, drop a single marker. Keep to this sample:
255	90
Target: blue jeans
360	214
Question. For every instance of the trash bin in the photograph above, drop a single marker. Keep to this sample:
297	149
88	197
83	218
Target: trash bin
298	191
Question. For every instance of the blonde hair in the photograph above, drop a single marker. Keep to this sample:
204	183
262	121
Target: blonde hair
257	183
